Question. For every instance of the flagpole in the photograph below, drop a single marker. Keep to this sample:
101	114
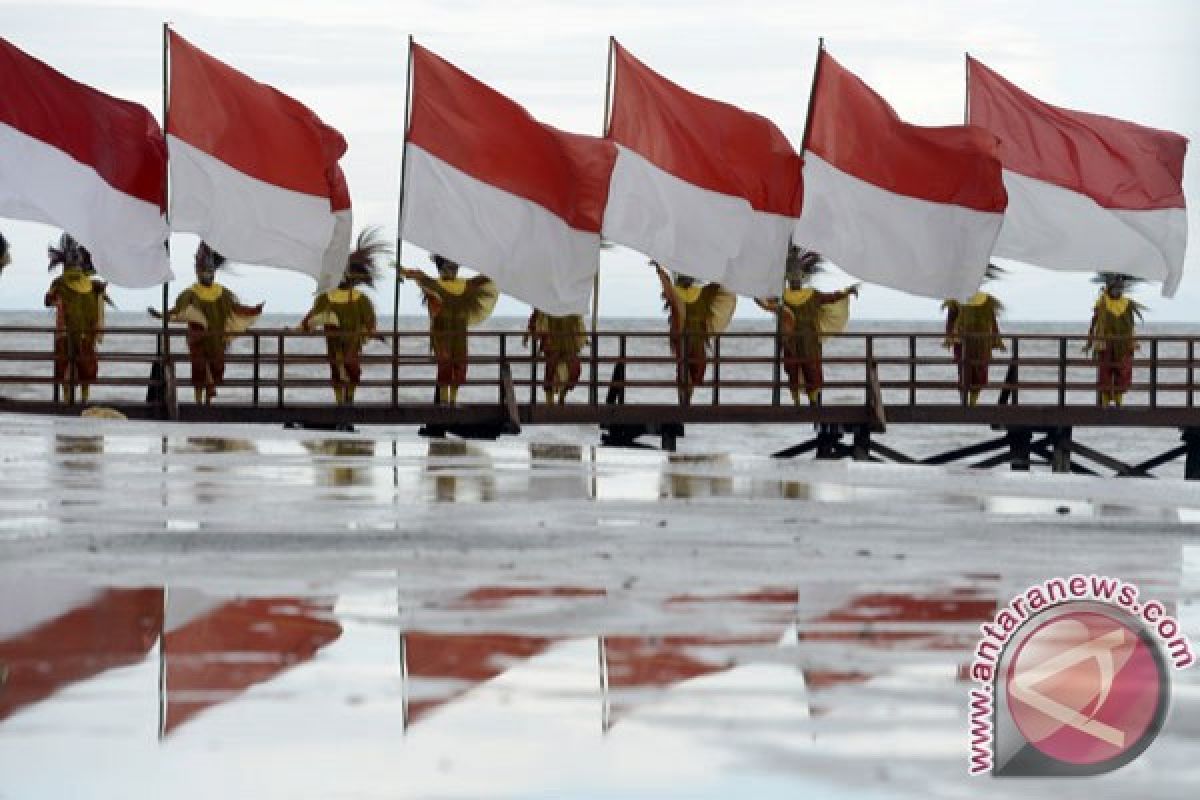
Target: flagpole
408	82
966	88
812	93
163	347
604	130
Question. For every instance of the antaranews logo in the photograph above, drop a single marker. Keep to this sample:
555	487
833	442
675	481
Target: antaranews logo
1072	679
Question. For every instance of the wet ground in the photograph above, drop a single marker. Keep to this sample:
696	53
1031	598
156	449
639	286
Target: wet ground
249	612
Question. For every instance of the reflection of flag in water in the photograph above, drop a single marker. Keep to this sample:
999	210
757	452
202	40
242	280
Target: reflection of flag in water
115	628
453	663
490	187
700	185
254	172
223	651
78	159
917	209
1086	192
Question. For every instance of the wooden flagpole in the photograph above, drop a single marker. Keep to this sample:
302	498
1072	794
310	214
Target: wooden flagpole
163	347
803	148
408	82
594	391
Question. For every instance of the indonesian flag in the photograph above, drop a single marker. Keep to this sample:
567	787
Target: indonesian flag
490	187
1087	192
254	172
86	162
917	209
700	186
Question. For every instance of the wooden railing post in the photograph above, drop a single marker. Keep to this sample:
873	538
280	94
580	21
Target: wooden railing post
716	379
533	348
868	363
1154	372
912	369
279	370
594	378
1191	380
256	372
777	361
501	367
1016	370
1062	371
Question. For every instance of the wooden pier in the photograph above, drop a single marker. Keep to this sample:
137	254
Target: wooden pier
1041	388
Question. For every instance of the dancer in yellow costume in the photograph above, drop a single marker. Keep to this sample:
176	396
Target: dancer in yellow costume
560	339
806	318
78	300
347	315
214	316
973	331
696	313
1110	336
455	305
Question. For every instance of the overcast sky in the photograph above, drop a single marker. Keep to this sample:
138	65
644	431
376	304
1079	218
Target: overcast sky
346	60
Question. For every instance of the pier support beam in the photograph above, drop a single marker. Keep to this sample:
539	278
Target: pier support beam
1060	458
1191	463
1019	440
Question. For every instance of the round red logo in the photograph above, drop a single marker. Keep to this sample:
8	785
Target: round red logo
1087	688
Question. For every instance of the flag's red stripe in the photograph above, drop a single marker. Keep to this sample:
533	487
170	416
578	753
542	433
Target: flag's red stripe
855	130
1119	164
252	127
120	140
479	131
707	143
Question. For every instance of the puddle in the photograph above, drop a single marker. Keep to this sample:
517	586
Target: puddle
175	691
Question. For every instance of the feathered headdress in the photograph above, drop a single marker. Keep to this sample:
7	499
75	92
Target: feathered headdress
441	262
803	263
1117	280
69	253
5	258
363	263
208	259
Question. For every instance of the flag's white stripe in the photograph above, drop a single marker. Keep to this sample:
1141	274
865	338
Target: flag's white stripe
125	235
1057	228
706	234
918	246
530	252
252	221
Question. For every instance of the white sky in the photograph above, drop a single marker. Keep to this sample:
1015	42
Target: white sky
1135	60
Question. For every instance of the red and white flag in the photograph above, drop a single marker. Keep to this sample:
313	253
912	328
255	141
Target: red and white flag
490	187
86	162
254	172
917	209
701	186
1086	192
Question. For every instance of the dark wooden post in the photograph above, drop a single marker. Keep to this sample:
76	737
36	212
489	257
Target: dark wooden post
1154	373
1062	371
1018	447
279	370
1061	457
716	378
862	443
912	370
1191	355
1191	464
256	373
533	347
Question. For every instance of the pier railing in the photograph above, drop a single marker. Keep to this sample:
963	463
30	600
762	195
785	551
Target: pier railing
271	368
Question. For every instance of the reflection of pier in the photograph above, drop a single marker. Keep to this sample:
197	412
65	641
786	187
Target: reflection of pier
1035	399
